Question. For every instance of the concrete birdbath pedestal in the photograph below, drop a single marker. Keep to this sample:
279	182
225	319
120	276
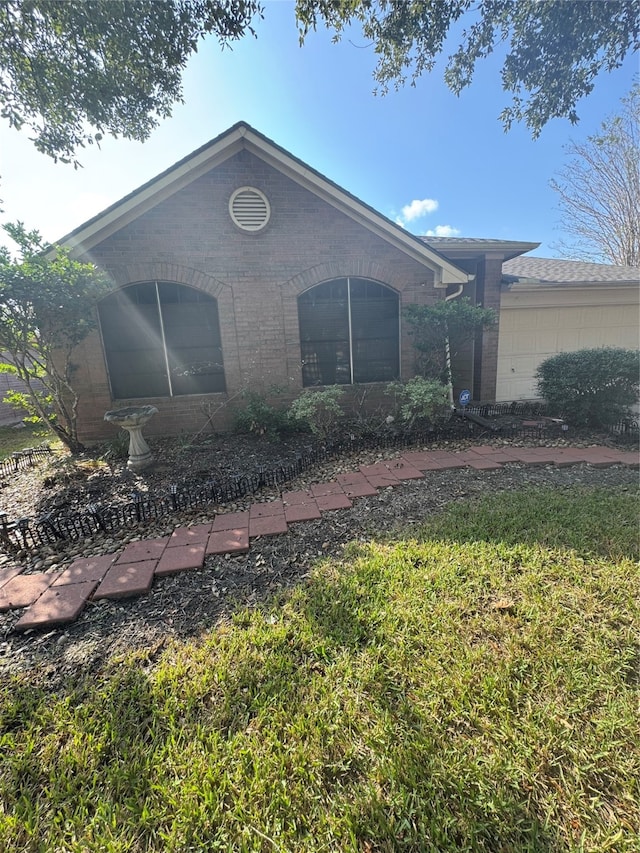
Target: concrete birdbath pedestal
133	418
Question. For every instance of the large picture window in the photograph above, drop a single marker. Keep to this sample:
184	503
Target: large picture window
161	339
349	332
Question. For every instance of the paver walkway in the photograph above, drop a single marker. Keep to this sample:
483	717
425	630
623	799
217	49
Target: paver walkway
59	597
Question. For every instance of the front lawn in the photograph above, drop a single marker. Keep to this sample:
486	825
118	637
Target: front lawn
471	687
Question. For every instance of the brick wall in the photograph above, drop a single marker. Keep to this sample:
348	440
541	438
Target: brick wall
256	278
489	276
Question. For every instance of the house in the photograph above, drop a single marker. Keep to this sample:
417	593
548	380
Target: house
242	268
550	306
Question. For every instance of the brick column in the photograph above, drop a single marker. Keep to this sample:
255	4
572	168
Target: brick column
489	276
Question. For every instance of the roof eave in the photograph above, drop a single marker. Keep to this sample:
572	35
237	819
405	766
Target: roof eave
242	136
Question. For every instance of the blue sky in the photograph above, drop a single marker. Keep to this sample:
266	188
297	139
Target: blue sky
420	150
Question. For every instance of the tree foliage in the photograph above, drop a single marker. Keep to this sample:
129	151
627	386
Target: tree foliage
599	190
76	70
47	307
555	49
72	71
591	387
441	330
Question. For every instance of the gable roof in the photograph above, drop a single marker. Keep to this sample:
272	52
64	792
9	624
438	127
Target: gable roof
551	271
243	137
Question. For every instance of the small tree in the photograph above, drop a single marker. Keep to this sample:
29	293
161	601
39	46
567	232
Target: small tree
47	307
441	330
590	387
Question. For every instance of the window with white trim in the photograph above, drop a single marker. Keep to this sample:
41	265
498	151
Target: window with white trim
349	332
161	339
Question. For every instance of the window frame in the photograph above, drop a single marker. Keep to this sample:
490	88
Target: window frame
161	318
352	342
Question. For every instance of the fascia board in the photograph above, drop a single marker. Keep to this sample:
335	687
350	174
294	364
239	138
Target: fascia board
157	190
487	250
539	285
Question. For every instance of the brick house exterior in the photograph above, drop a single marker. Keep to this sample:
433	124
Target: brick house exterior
187	228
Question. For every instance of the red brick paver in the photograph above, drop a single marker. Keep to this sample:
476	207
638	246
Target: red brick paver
268	525
299	496
379	476
327	503
265	510
196	535
57	605
181	558
321	490
124	580
403	470
145	549
23	590
85	569
8	572
301	512
230	521
234	541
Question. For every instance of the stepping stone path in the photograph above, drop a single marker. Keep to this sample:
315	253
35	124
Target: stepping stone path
59	597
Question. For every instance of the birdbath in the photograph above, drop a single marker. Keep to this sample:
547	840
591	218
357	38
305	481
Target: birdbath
133	418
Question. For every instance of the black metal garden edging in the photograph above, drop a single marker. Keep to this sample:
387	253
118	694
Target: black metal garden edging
55	528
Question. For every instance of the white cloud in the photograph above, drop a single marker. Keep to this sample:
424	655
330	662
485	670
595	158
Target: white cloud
417	209
443	231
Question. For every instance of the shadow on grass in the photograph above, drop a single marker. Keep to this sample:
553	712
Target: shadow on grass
382	706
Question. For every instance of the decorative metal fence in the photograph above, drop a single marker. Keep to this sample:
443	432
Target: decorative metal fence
22	459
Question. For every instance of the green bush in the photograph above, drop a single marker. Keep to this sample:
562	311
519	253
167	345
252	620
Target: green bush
420	401
590	387
259	417
318	411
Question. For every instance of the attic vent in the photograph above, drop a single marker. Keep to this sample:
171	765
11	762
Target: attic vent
249	209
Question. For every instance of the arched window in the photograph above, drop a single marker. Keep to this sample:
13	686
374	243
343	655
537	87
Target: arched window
349	332
161	339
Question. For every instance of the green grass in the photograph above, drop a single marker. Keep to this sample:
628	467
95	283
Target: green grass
30	435
472	687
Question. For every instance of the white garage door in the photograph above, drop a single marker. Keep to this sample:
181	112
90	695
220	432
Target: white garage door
537	323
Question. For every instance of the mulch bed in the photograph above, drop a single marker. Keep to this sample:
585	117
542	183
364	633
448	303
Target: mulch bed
185	605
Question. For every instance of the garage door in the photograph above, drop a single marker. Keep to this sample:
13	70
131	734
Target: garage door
539	323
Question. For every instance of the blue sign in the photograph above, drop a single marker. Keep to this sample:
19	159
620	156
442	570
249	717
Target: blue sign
465	398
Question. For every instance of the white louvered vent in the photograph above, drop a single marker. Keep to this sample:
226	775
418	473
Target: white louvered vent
249	209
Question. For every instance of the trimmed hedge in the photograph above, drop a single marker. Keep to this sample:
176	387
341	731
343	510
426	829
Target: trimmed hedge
590	387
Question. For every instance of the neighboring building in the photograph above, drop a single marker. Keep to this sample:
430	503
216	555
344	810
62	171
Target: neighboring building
242	268
551	306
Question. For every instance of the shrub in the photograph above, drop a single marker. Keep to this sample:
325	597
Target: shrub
259	417
590	387
420	400
318	411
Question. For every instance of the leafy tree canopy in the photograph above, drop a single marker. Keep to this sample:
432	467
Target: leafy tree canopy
555	49
72	71
47	307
